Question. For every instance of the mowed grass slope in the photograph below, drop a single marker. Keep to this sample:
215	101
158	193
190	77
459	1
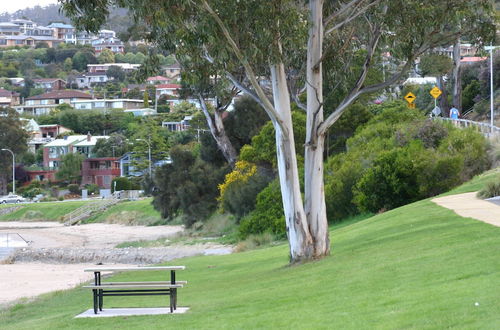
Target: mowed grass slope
46	211
419	267
133	212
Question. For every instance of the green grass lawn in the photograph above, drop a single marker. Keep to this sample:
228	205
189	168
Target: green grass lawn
130	212
420	267
46	211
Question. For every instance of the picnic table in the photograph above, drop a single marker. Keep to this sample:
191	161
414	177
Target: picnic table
148	288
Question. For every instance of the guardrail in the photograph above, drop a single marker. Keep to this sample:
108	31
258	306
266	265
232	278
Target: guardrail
486	129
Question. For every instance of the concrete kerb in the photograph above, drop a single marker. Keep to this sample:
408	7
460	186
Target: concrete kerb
111	312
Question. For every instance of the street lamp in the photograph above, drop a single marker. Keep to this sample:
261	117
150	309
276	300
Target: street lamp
13	170
148	141
490	48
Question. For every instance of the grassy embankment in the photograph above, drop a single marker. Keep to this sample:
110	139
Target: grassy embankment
47	211
139	212
419	266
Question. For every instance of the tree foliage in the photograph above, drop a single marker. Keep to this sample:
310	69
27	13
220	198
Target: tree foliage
70	169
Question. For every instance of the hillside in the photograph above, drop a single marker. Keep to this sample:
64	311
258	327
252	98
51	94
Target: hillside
419	266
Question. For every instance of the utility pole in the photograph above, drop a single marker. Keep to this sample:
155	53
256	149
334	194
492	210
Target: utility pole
13	170
492	92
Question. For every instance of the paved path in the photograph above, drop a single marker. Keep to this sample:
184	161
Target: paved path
469	206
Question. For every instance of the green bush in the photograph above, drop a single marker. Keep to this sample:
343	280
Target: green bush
123	183
240	197
492	189
267	216
74	189
92	188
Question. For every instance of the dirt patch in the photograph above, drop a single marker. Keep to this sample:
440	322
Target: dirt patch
469	206
95	235
29	280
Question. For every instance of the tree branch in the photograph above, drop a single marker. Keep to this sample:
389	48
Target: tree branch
266	104
355	14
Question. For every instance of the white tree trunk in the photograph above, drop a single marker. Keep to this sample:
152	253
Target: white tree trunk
315	206
296	224
218	132
457	82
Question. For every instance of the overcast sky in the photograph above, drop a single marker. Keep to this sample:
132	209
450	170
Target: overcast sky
13	5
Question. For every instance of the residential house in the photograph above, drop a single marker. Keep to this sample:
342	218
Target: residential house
8	98
141	112
100	171
25	25
9	29
50	84
102	68
107	104
90	79
44	103
173	71
472	59
177	126
24	40
158	80
40	135
128	169
41	31
167	89
116	46
63	32
55	150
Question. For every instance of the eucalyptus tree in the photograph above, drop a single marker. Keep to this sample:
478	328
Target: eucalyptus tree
274	51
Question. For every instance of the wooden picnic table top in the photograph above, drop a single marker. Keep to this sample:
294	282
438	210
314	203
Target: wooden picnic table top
113	269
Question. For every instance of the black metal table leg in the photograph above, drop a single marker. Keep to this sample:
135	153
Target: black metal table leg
94	291
101	300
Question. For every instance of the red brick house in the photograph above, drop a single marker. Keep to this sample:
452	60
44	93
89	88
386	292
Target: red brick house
100	171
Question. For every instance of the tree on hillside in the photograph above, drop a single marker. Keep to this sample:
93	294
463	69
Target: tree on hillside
106	56
280	45
70	169
12	137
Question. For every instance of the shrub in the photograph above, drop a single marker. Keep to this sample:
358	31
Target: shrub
255	241
92	188
492	189
123	183
267	216
74	189
472	146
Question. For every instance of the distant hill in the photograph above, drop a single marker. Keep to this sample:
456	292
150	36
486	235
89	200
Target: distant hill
44	15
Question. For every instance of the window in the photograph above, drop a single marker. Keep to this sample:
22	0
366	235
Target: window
107	180
3	42
19	42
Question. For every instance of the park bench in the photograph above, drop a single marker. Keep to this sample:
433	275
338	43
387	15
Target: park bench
146	288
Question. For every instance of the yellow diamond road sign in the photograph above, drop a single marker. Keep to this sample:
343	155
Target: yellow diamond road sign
410	97
435	92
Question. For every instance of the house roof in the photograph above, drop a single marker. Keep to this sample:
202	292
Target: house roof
48	80
168	86
473	59
173	66
67	140
92	142
6	93
8	24
67	94
158	78
60	26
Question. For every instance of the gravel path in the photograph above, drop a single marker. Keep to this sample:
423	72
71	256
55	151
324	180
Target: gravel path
469	206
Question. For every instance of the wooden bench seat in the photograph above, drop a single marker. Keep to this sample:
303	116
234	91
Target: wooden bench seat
133	286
